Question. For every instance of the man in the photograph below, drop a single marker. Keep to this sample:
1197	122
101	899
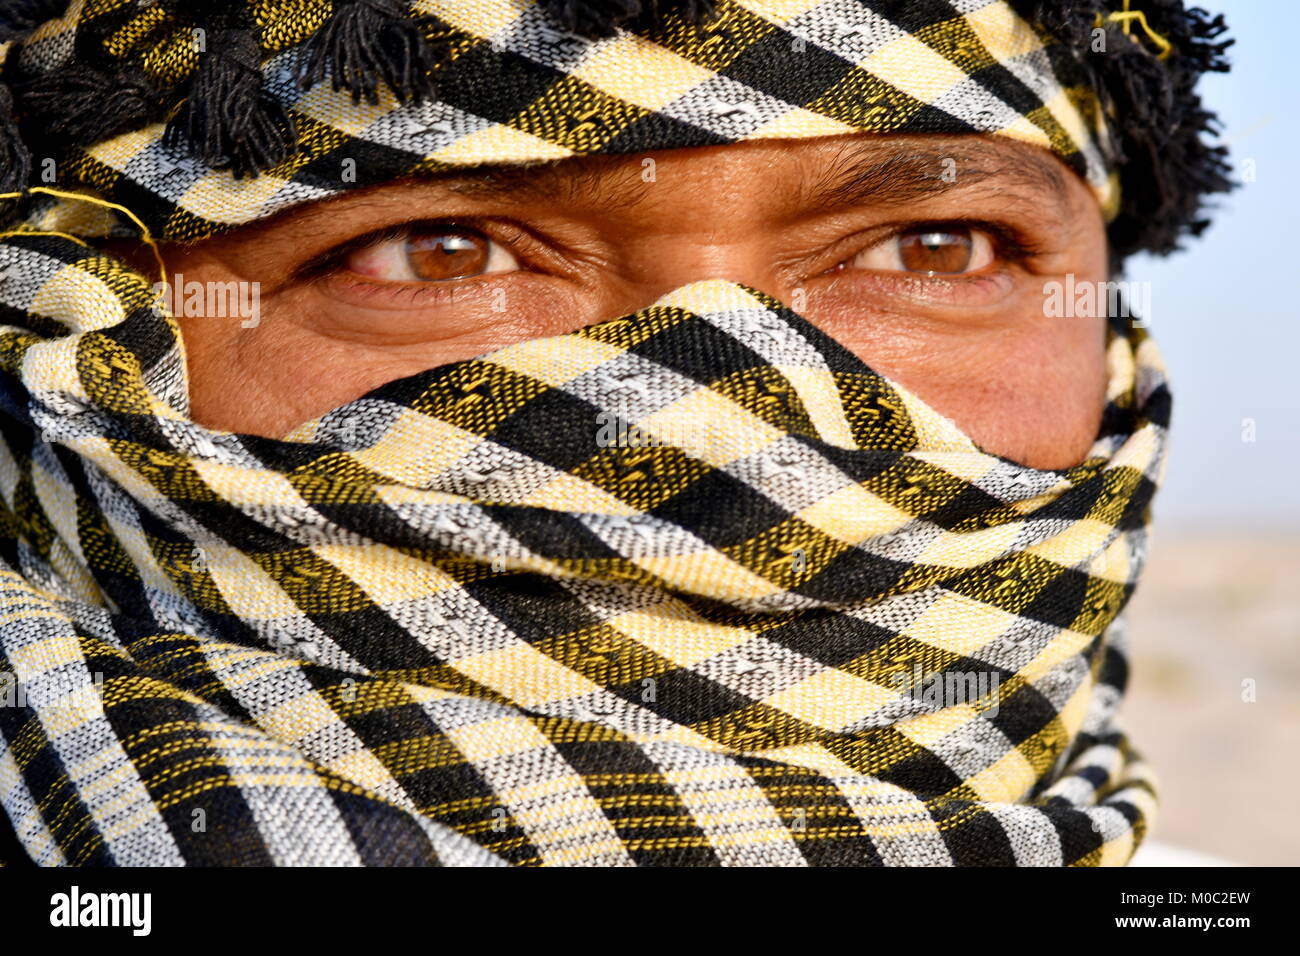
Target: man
500	432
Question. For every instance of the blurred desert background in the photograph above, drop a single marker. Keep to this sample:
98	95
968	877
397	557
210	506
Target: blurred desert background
1214	610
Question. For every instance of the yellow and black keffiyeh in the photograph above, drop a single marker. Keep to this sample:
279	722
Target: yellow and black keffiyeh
692	586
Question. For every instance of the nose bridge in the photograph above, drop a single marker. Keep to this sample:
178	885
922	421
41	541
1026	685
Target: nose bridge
703	253
711	219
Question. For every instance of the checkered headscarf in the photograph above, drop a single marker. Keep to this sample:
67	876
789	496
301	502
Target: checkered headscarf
510	86
688	586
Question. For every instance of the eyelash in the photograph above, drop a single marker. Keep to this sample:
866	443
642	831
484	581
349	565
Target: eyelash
331	261
1011	245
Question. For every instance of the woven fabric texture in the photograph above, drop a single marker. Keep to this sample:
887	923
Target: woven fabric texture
690	586
513	88
672	588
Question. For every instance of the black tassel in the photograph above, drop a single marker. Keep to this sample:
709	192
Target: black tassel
1168	163
228	118
592	19
82	105
602	18
15	161
17	19
20	17
365	41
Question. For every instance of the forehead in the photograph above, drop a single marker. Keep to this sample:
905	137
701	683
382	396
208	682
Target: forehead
776	179
841	170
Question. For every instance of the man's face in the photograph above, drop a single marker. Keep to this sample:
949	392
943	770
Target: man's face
924	255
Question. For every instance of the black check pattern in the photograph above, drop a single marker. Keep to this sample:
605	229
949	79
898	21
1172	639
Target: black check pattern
477	632
513	88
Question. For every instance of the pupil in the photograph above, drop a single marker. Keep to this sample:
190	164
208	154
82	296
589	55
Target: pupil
437	256
936	251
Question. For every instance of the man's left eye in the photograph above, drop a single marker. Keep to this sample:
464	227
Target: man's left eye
431	255
929	250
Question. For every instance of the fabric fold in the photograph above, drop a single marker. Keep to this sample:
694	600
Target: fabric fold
692	585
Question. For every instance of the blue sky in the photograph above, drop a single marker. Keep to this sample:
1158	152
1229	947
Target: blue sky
1226	311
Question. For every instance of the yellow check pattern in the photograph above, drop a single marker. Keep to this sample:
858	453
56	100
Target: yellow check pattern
801	620
515	88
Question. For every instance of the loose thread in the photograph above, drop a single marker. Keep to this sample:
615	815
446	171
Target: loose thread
145	234
1126	17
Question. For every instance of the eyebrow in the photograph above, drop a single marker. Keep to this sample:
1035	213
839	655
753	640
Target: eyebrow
859	172
599	179
897	174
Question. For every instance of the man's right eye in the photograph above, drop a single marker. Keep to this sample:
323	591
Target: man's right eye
940	249
430	255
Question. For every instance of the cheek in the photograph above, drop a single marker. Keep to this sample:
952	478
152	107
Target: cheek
1031	391
1037	401
309	355
266	381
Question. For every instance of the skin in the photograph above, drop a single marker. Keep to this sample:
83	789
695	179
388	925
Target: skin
815	222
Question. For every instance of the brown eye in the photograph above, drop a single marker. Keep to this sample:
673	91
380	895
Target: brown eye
929	250
451	255
431	255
